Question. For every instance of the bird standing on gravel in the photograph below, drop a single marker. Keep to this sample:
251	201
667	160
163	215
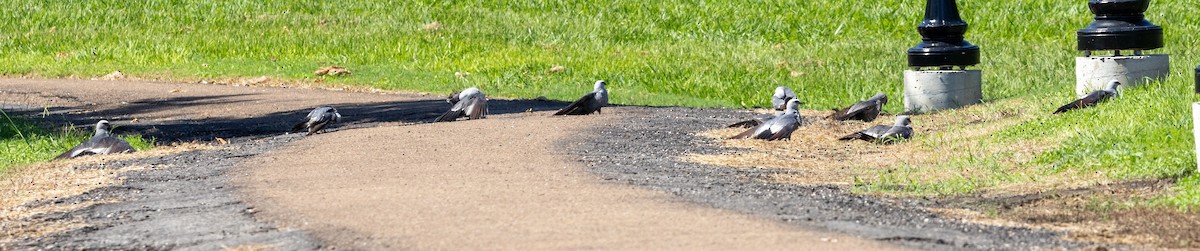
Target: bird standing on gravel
1093	98
780	98
866	110
780	127
778	101
101	143
317	119
470	103
591	102
884	134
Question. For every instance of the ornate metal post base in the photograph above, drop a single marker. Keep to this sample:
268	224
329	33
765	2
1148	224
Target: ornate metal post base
934	83
1120	25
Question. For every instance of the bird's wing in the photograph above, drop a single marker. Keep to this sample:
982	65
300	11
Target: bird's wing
577	107
783	129
316	127
458	110
895	134
1089	100
851	111
877	131
477	108
870	113
867	134
73	152
754	132
746	124
107	145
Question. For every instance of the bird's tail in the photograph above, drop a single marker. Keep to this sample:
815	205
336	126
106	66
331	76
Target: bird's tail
744	135
852	136
745	124
66	155
834	114
299	126
449	116
1064	108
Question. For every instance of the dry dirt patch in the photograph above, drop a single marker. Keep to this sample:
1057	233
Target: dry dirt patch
1073	202
941	138
28	191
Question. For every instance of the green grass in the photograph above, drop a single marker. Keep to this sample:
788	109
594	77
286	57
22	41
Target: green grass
710	53
23	142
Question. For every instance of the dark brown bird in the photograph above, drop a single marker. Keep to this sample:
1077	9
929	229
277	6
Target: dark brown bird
866	110
1093	98
589	103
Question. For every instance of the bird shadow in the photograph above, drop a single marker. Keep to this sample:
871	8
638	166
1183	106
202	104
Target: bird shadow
187	128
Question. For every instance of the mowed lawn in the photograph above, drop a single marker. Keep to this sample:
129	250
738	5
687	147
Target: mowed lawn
690	53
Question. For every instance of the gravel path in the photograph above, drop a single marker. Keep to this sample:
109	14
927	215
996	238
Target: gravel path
497	184
187	200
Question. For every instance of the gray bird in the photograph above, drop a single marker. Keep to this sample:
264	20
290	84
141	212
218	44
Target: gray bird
780	98
778	101
318	119
101	143
591	102
866	110
884	134
470	103
1093	98
780	127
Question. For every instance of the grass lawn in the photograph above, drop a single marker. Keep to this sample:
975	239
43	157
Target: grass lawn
710	53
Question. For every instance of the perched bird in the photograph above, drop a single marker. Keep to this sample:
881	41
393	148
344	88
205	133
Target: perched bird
775	129
1093	98
470	102
883	133
591	102
866	110
317	119
101	143
780	98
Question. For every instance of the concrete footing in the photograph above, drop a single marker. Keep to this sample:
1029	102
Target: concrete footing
1094	73
1196	130
926	91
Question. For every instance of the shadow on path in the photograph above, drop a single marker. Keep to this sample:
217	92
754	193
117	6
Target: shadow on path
196	118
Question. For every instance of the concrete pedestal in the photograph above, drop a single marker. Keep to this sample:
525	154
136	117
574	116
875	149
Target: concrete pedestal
926	91
1196	130
1094	73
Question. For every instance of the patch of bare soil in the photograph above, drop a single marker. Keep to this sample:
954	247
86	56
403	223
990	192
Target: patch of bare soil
1101	213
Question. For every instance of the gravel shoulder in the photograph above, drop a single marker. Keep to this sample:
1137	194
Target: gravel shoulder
643	149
